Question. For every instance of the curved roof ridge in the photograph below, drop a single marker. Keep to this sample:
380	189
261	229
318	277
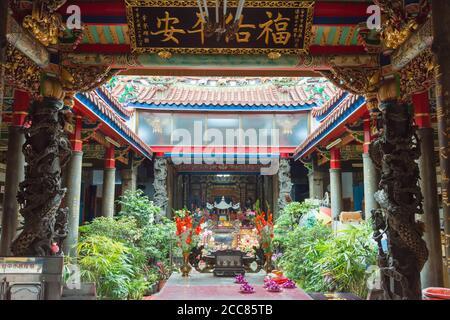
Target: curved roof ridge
116	121
329	105
327	123
111	100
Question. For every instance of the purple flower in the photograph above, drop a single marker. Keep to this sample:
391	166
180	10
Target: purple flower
246	288
240	279
289	284
272	286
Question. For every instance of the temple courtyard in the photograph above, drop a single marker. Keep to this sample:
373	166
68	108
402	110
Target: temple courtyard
224	150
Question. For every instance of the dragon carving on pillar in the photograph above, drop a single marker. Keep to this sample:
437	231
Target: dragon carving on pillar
47	150
161	198
395	153
284	179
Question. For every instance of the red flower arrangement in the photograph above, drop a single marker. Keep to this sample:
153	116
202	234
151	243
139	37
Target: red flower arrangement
188	230
264	228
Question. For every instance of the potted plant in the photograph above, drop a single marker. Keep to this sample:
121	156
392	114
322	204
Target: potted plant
163	273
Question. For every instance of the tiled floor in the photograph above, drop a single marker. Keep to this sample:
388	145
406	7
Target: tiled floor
207	287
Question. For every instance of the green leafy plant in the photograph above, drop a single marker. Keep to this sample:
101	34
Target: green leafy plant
288	220
302	252
346	259
296	210
124	255
321	261
124	229
105	262
157	240
137	205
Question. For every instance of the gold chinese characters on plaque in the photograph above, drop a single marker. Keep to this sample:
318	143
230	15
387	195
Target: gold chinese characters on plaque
177	26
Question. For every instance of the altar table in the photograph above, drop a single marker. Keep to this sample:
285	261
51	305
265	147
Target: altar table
204	286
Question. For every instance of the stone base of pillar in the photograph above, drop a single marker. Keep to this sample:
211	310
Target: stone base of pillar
109	184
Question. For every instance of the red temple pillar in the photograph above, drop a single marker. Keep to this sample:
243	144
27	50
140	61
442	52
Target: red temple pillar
15	166
432	272
109	182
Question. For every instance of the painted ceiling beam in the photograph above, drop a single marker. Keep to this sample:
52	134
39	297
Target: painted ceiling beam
125	48
223	72
118	9
222	150
222	62
335	20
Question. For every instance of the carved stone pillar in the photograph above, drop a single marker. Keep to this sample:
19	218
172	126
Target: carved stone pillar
15	163
47	151
170	188
395	152
441	49
160	184
285	184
